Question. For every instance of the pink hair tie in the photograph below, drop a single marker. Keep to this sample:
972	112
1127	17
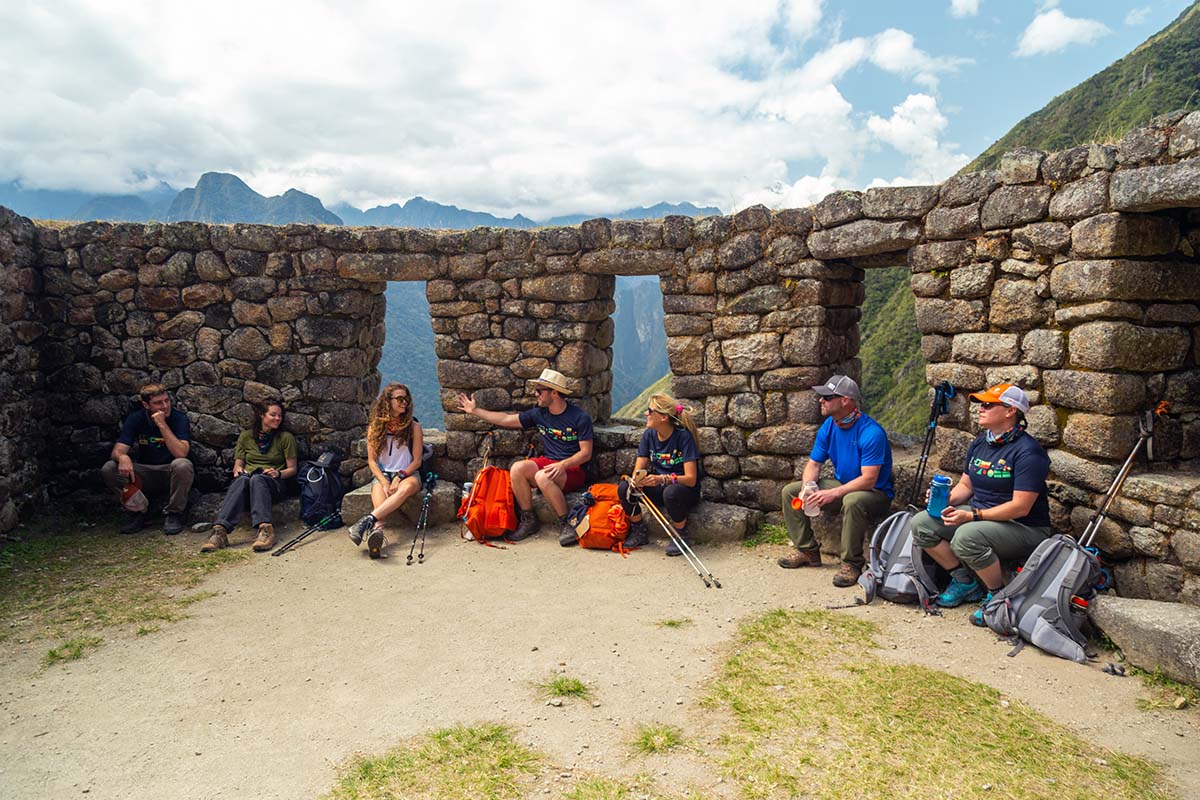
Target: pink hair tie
679	409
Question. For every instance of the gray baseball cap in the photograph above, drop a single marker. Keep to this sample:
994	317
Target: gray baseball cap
839	385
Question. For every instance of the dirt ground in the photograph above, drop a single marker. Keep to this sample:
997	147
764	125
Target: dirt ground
304	659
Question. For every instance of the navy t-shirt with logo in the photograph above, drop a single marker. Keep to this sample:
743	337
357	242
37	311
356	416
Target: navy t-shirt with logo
996	471
148	446
667	458
561	433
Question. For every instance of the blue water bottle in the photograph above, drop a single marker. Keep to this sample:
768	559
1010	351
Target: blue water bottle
939	494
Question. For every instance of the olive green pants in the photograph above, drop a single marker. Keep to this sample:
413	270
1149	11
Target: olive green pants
861	511
979	544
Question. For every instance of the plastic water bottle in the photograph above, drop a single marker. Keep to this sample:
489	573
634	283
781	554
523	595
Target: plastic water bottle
810	509
939	495
466	493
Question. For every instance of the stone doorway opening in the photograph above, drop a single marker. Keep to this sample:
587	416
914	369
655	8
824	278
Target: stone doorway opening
409	352
639	348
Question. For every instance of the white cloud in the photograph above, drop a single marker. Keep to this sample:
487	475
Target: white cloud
500	108
964	8
1052	30
914	129
1137	16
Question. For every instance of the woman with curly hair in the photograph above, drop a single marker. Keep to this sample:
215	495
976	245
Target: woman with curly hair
394	442
668	452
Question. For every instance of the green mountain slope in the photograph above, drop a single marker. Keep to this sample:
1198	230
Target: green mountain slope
635	409
1162	74
893	371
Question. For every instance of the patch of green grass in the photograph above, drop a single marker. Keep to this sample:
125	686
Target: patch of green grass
564	686
814	711
1164	690
70	650
767	534
640	787
146	630
674	623
66	577
657	738
483	762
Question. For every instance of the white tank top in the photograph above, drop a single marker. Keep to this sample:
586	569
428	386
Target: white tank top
393	456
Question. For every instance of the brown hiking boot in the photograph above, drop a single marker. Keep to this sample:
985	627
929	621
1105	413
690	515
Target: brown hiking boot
801	558
527	527
266	538
217	539
847	575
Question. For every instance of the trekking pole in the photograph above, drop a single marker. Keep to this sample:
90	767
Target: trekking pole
310	530
1145	436
940	405
422	520
684	548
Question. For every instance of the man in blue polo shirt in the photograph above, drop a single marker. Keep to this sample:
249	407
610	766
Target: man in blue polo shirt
153	445
862	465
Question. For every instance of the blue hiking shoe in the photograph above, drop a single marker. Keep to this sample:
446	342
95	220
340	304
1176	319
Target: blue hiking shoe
958	593
977	617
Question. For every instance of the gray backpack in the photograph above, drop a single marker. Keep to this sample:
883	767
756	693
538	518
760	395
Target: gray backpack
899	571
1036	606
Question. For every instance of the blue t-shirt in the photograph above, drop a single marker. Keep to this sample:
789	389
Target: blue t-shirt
864	444
667	458
996	471
141	434
561	433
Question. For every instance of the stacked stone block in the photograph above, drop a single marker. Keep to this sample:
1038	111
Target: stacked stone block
23	466
1072	275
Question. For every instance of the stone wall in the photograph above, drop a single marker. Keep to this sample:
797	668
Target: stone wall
1073	275
23	467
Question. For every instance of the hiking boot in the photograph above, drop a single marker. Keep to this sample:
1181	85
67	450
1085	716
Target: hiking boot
958	593
172	523
801	558
375	543
847	575
638	535
217	539
567	535
674	549
360	529
977	617
134	521
266	538
527	527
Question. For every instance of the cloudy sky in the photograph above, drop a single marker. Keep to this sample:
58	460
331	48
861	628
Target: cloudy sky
537	108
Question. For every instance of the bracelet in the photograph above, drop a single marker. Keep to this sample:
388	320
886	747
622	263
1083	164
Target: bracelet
674	478
976	515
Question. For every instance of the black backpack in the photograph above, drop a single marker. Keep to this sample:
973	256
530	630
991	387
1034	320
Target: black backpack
321	492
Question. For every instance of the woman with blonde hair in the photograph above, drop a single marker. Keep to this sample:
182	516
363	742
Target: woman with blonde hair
394	444
669	454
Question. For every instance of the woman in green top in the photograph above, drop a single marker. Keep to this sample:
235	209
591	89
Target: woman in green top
263	457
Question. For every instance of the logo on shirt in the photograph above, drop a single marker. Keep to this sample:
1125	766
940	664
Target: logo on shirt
667	460
568	436
150	441
999	469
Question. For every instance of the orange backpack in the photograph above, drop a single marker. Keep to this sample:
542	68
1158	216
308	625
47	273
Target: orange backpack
488	511
603	526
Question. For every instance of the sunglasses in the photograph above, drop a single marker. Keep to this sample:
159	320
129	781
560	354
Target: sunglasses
400	398
823	399
540	389
990	406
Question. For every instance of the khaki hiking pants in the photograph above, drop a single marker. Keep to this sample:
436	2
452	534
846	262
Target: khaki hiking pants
861	512
979	544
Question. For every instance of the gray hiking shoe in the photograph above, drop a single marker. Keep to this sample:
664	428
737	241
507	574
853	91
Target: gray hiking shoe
527	527
375	543
567	535
134	521
360	529
638	535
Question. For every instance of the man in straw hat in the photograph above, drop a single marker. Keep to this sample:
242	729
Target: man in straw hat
566	432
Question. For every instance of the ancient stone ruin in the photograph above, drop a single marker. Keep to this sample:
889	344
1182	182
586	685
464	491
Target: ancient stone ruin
1073	275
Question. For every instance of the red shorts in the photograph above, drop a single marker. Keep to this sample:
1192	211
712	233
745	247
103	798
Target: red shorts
575	477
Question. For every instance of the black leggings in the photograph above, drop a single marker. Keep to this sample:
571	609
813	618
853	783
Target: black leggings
676	500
